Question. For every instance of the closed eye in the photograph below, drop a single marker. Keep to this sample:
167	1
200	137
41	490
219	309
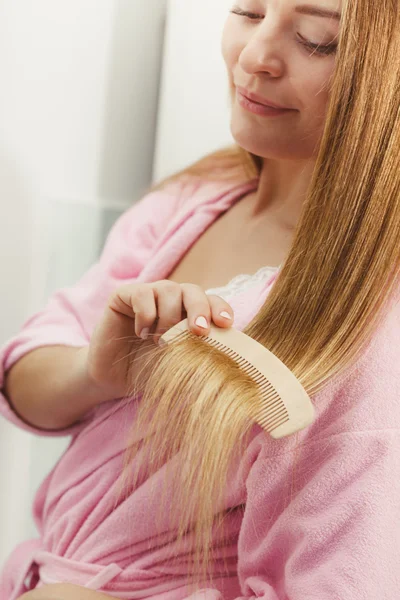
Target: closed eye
320	49
245	13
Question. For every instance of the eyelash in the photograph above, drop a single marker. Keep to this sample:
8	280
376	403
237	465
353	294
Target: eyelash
321	49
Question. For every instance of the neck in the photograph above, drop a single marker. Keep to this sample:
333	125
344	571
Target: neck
281	192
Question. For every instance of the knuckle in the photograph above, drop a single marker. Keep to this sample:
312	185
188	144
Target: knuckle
129	287
194	293
130	292
138	292
191	287
117	291
168	286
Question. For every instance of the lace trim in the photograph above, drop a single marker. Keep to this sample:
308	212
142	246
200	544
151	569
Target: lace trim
242	282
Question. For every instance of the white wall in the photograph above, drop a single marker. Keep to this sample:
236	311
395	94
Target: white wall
78	106
80	81
78	110
194	114
16	189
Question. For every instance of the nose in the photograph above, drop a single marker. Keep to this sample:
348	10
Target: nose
263	53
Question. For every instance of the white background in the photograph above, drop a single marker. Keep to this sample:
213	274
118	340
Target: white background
83	131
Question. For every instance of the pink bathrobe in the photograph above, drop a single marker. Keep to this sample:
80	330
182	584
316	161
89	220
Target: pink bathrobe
334	536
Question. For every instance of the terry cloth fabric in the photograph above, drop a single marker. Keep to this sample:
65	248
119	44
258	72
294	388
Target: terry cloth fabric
327	530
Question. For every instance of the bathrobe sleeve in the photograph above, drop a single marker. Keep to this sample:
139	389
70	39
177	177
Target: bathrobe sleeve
72	313
336	535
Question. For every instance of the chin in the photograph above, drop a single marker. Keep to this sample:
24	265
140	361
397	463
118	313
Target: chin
252	135
250	140
268	144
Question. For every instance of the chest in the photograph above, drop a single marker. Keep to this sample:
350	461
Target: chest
231	246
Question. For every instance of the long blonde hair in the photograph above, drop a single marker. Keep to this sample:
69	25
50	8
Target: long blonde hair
335	286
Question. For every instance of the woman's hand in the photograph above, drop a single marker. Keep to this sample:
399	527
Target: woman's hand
146	310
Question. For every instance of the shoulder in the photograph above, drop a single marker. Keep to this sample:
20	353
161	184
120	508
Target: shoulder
169	205
151	221
184	192
190	190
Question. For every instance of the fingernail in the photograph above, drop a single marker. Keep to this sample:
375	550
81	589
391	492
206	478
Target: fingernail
226	315
201	322
144	334
161	342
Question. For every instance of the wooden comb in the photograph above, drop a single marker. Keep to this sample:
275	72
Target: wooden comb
285	406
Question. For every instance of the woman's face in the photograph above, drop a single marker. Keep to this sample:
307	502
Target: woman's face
263	45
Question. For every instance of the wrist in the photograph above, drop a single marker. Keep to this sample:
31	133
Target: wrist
95	393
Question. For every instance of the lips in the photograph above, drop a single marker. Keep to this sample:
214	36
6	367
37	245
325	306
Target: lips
261	100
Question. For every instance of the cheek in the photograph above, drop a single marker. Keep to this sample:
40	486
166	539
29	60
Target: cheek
314	90
230	47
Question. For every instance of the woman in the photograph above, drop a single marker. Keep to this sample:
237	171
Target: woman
207	503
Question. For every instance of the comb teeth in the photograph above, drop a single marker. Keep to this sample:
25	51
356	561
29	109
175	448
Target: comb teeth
284	407
272	412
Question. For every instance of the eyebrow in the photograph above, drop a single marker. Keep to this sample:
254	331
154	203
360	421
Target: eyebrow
318	11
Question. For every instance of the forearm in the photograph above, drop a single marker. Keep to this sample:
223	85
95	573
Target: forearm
50	388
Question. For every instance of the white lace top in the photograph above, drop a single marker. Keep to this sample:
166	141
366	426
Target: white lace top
243	282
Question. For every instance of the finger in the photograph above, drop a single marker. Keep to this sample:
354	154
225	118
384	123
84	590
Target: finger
197	306
221	312
168	295
139	298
